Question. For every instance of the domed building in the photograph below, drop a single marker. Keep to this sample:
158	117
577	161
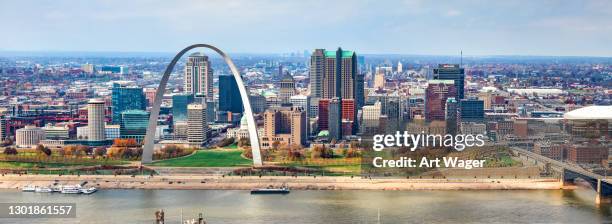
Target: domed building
590	129
242	131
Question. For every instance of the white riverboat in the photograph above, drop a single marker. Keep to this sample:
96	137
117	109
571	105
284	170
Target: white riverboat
28	188
71	189
90	190
43	190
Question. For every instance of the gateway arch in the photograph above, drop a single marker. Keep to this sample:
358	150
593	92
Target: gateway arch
147	153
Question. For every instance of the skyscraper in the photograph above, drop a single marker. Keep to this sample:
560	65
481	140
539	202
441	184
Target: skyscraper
125	97
197	126
179	107
359	90
400	67
451	72
323	114
339	74
199	75
436	94
451	116
379	79
472	110
287	88
333	74
95	120
134	124
3	132
335	119
229	97
317	70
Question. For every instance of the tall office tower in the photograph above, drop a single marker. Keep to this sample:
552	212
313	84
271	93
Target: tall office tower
95	120
359	90
3	132
197	127
436	94
280	71
379	79
323	114
349	116
317	70
287	88
229	96
126	97
284	125
452	72
179	107
134	124
199	76
339	74
472	110
211	113
451	116
335	119
400	67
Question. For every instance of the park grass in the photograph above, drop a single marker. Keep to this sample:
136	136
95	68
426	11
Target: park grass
26	165
208	158
232	146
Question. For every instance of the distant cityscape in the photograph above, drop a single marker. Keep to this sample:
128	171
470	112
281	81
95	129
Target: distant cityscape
333	97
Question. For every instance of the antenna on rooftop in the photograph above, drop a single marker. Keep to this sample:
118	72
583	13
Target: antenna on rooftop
461	58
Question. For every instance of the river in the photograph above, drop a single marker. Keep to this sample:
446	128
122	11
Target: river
323	207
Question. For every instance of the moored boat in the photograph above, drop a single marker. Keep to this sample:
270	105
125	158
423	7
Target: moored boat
271	190
28	188
90	190
43	190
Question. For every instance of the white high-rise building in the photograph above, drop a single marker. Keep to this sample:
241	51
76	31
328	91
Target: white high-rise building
400	67
95	120
199	76
197	127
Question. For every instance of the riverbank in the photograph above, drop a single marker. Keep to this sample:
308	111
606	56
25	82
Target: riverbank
11	181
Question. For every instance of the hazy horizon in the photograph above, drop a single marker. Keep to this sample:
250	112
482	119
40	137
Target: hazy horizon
413	27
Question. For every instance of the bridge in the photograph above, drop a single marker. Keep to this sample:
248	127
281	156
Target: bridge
571	172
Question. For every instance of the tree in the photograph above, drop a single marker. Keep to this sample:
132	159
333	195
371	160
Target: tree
43	150
7	142
100	152
10	151
225	142
244	142
83	150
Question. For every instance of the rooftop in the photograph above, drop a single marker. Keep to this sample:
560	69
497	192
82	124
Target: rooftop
345	54
590	112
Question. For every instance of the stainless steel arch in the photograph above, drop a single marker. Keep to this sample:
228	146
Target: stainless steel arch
147	154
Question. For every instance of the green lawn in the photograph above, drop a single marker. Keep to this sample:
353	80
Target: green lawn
15	164
232	146
208	158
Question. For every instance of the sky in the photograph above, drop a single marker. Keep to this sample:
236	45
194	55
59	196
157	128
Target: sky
419	27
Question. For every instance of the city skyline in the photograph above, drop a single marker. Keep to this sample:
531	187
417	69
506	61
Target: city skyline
549	28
